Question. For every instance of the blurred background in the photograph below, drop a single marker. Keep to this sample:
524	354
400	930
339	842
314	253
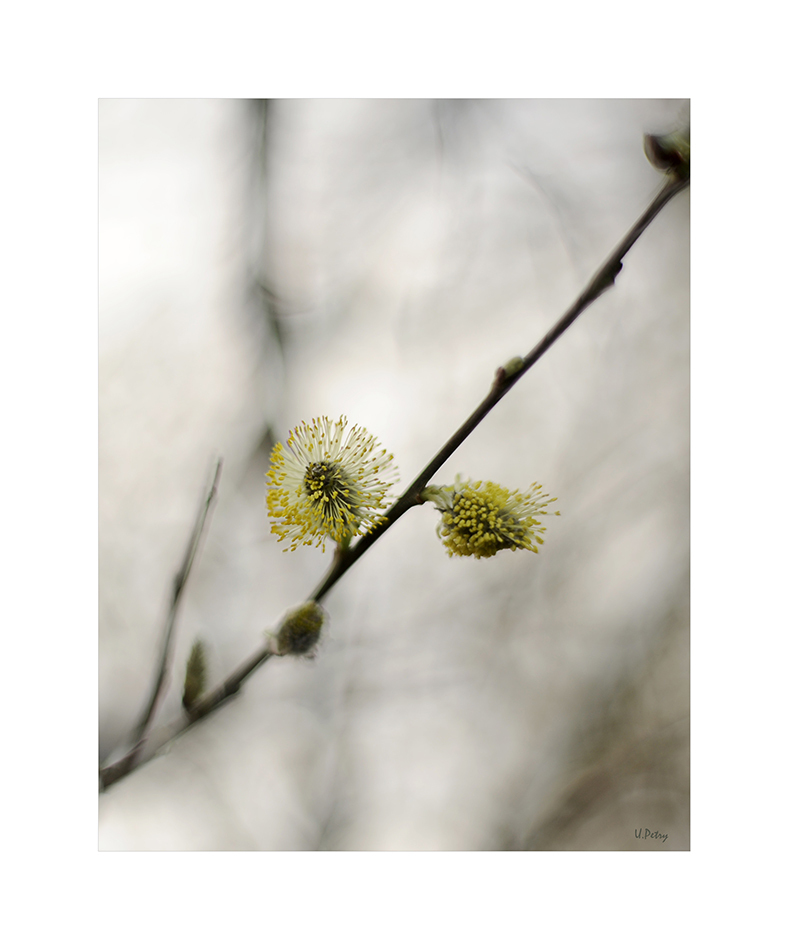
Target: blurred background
264	262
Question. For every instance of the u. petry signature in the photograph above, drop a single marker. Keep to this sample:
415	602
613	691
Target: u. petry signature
646	833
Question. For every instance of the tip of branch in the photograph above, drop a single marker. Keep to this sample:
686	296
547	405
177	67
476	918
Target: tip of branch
670	153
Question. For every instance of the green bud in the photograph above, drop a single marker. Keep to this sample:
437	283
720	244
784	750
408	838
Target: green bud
514	366
300	631
670	153
194	681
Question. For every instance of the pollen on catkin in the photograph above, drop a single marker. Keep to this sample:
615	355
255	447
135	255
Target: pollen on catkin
483	518
327	483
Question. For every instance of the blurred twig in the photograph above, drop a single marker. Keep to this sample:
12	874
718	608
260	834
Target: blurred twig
148	747
179	583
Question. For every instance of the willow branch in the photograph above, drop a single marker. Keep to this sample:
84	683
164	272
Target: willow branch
504	380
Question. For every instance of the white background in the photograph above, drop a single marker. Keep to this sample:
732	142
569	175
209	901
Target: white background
737	411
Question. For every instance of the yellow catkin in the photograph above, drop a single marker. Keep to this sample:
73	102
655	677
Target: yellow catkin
325	485
480	519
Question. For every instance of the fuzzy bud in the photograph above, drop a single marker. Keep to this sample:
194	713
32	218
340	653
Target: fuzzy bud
300	631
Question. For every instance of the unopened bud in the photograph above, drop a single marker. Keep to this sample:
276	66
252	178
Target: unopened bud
515	365
300	631
670	153
194	681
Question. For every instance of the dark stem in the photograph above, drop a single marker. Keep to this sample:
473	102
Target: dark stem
502	383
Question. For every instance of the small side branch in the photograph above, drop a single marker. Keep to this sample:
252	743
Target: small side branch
179	583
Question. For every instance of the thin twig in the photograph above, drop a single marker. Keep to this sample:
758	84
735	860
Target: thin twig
504	380
502	383
179	583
